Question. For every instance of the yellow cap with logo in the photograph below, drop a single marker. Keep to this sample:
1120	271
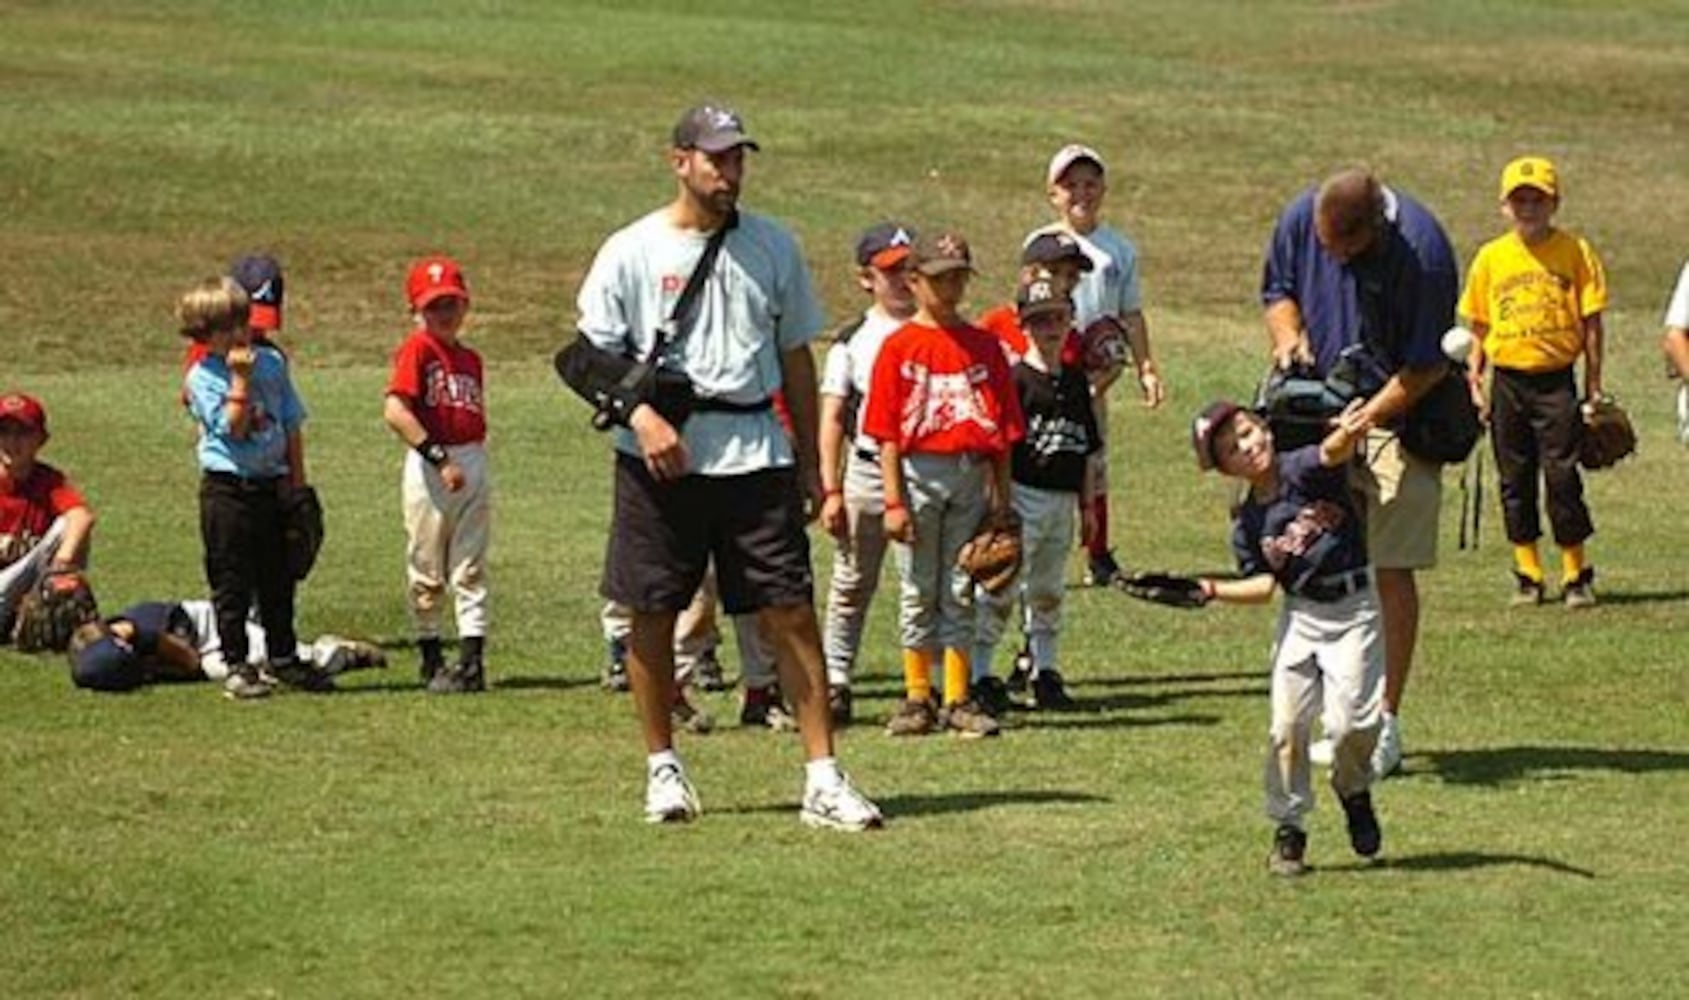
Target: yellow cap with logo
1530	171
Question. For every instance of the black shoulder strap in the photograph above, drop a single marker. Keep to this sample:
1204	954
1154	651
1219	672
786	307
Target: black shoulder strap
680	318
844	331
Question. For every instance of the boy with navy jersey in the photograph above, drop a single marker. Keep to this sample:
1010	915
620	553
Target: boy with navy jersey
1298	528
1048	470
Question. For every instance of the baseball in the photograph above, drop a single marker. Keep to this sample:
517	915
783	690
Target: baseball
1457	344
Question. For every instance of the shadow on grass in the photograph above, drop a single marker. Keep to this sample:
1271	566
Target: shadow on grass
519	682
1498	765
1151	680
904	806
1451	861
1643	596
1075	720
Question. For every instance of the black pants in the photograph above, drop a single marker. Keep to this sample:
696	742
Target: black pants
241	525
1535	426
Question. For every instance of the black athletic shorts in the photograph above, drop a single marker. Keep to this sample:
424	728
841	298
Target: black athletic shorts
663	536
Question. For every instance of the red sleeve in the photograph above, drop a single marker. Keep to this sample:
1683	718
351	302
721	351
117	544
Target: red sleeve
406	378
880	411
58	493
1003	322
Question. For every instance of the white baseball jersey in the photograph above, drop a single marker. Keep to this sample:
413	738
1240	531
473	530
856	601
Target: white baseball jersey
756	304
850	366
1677	313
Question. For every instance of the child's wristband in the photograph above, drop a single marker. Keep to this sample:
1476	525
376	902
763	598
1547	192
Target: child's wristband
892	505
834	492
235	397
432	451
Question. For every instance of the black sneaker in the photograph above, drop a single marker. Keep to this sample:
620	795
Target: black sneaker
1102	570
302	676
841	704
433	660
1290	846
1049	692
707	674
992	695
1364	835
1526	592
1580	592
689	716
766	707
615	679
461	678
1021	675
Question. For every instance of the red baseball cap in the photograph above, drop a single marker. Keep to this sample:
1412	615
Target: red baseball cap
433	278
26	410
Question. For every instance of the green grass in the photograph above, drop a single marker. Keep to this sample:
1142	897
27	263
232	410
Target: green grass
382	842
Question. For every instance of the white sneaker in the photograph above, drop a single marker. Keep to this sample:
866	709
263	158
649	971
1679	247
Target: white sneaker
840	807
669	797
1319	752
1387	755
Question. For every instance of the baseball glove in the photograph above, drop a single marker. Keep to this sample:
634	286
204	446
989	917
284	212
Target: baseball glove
52	610
1184	592
1607	434
303	533
991	558
1103	345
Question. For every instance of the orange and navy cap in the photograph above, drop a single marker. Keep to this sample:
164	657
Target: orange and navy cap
711	127
261	276
1207	426
1533	172
434	278
885	245
940	253
1067	156
27	410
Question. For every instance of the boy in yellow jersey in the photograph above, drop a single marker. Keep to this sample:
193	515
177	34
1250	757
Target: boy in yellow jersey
1534	299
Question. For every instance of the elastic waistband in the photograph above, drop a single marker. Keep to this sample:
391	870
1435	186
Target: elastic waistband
1548	378
710	404
1336	586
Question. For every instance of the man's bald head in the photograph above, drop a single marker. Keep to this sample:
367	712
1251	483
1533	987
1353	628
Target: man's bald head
1349	213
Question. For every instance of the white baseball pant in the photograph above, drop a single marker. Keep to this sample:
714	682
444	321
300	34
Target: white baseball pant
449	535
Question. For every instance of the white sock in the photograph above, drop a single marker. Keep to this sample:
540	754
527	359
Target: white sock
822	772
1043	646
660	759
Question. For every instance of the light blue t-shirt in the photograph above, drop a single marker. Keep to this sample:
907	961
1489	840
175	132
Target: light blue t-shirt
274	412
756	304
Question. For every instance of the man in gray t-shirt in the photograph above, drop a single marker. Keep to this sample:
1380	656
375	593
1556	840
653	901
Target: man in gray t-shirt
730	483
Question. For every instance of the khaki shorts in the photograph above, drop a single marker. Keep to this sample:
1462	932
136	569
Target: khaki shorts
1403	495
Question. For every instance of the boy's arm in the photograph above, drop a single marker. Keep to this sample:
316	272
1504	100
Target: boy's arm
1675	344
296	458
398	415
1149	376
1477	364
1000	483
1256	589
797	378
1338	447
1594	343
832	445
897	521
177	658
72	552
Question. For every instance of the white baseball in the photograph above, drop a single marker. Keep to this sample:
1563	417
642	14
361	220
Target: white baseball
1457	344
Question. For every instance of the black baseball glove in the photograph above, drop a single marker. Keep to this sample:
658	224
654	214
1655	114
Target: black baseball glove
1184	592
52	610
303	530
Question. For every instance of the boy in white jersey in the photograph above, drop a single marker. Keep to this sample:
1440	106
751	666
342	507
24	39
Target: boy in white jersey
1076	183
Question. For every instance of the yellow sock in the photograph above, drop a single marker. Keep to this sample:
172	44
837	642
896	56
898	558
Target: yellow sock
917	674
1528	562
1572	563
956	676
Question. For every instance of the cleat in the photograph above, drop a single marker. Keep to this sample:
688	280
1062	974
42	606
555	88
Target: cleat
1049	691
1364	835
968	720
912	718
1290	846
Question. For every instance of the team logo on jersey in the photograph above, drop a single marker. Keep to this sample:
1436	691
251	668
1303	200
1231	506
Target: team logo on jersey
937	403
1311	523
453	390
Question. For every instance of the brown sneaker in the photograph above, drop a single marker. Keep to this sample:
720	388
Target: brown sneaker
912	718
1290	846
1580	593
969	720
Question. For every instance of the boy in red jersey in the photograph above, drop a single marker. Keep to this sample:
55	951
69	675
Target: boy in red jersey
436	407
943	407
45	524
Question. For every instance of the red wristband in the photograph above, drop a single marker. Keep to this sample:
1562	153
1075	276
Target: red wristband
892	505
832	493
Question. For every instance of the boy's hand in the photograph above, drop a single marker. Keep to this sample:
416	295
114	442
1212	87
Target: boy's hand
451	476
899	526
1155	391
833	516
240	360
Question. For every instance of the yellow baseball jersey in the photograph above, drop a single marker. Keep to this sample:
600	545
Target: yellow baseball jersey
1534	299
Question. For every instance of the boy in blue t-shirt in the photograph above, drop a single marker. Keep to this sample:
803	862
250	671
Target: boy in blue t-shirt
1297	528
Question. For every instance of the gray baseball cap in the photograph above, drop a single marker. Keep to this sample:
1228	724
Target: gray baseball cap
712	128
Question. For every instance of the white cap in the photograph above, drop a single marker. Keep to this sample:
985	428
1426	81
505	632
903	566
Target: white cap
1067	156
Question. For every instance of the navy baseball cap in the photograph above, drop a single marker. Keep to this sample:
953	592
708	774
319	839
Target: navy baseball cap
1054	248
711	127
885	245
1038	296
1207	426
107	664
261	276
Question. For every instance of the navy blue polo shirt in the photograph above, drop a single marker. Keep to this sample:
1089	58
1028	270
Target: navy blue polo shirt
1406	285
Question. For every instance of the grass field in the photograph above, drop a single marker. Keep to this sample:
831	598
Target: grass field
382	842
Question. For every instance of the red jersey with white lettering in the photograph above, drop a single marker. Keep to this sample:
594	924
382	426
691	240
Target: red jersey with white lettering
1004	321
943	391
442	384
29	508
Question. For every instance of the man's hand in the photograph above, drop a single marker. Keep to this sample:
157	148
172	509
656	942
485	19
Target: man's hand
664	451
1292	353
809	481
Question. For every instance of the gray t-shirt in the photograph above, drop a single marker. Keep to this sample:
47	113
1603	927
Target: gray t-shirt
756	304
